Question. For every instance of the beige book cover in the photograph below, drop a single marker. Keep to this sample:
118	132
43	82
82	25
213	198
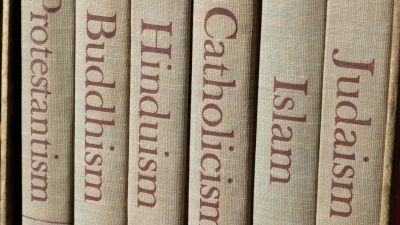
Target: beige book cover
10	194
289	107
101	112
222	127
159	112
354	112
47	111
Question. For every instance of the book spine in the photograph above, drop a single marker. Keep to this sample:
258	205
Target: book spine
354	111
288	116
101	111
222	127
160	68
47	111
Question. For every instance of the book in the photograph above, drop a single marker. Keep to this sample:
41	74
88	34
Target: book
47	111
223	108
101	112
10	165
288	116
159	111
354	112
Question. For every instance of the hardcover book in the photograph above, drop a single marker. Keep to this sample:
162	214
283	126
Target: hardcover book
159	111
101	112
222	127
47	111
355	112
289	107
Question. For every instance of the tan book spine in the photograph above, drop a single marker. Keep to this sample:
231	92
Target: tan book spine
222	127
354	111
288	117
47	111
101	112
391	116
10	213
159	115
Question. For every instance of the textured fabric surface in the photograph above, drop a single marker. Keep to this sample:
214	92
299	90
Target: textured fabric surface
101	112
288	118
355	87
159	112
47	111
222	127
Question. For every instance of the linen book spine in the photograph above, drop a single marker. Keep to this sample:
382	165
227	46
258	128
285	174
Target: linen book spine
101	111
288	118
223	100
159	112
47	111
354	111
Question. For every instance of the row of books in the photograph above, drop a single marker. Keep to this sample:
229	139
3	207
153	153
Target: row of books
198	112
